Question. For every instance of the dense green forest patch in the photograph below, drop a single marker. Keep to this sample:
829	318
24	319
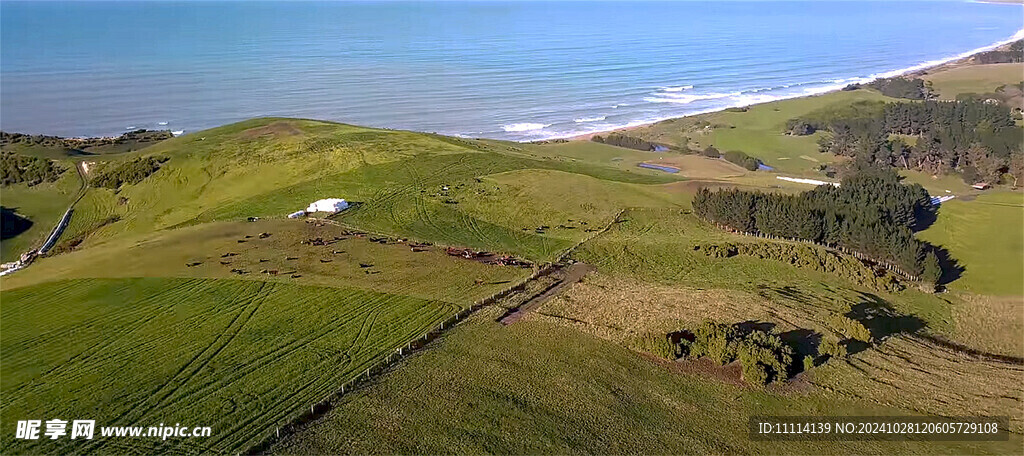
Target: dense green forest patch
15	169
871	213
973	137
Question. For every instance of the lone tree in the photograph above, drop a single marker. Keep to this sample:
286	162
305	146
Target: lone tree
932	270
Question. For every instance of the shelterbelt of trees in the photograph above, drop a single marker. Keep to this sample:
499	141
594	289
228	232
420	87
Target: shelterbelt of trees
872	212
976	137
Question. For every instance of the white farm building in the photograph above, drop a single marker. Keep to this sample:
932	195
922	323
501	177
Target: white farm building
328	205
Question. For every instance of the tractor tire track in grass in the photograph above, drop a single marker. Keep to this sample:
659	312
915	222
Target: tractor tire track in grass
227	336
188	351
78	364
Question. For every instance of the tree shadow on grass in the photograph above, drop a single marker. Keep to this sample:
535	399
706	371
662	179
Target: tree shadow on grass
881	320
12	224
951	268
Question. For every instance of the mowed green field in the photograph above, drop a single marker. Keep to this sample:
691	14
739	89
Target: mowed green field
239	356
986	236
975	79
534	387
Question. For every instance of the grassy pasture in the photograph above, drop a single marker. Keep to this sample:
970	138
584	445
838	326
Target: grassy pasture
974	79
239	356
534	387
406	198
986	235
393	268
271	167
759	131
597	153
938	185
698	167
623	310
657	246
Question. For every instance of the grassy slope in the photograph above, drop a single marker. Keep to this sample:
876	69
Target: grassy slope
538	388
43	204
395	268
658	246
759	132
975	79
252	355
269	167
986	235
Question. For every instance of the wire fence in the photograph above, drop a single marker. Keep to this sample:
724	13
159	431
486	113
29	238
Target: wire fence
325	405
318	409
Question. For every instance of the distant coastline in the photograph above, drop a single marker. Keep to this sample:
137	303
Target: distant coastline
524	71
921	69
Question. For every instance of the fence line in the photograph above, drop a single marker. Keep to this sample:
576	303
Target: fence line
321	407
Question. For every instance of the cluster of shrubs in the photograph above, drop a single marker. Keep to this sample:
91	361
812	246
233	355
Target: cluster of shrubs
742	159
129	172
629	142
733	156
711	152
763	356
17	168
806	256
898	87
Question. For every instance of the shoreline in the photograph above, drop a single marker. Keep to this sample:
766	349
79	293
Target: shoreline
920	69
830	86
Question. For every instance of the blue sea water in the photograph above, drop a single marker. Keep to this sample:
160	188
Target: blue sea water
514	70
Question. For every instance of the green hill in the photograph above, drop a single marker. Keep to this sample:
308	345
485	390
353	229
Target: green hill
187	294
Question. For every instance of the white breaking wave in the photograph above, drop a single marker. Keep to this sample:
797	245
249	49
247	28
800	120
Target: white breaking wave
178	132
526	126
132	127
677	89
681	98
589	119
161	123
737	99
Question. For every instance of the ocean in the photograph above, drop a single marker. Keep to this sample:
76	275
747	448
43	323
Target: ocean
518	70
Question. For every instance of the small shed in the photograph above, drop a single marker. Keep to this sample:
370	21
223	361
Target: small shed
981	186
328	205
